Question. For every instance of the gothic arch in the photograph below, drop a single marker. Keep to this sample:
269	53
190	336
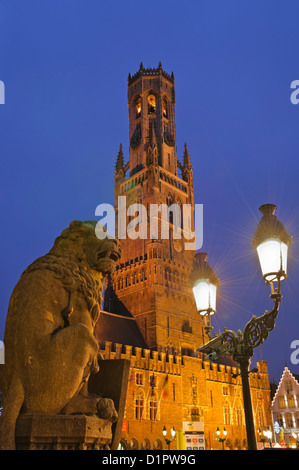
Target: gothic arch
157	444
137	105
237	444
133	444
151	99
145	444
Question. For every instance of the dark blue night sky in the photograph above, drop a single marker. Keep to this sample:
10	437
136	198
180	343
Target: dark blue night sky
65	64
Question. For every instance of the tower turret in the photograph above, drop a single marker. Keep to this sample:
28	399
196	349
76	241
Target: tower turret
151	102
120	164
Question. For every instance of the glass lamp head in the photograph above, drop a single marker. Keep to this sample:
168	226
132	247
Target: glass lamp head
271	241
204	285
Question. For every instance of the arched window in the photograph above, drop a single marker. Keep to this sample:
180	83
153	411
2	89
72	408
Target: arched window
138	107
165	107
151	101
157	445
145	444
122	445
133	444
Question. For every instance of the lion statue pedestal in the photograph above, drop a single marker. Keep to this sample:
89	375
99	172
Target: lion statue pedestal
50	349
62	432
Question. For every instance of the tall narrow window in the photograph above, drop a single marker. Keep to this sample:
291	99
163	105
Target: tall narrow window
260	417
138	107
291	401
153	407
139	378
289	420
170	212
165	107
239	419
139	405
226	415
151	100
282	403
280	420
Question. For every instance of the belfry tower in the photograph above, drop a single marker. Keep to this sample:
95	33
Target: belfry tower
152	279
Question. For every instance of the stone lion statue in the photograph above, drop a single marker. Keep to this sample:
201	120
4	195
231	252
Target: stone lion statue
50	349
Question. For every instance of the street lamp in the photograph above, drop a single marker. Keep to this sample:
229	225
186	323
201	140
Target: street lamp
268	435
221	439
168	441
271	242
262	439
205	283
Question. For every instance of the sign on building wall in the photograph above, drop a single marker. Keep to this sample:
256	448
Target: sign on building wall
194	435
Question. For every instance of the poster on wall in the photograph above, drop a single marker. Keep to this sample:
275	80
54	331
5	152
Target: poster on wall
194	435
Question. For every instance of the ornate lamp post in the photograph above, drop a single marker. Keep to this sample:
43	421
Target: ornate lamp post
168	441
271	242
221	439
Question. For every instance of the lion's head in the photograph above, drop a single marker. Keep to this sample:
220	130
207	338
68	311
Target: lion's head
80	240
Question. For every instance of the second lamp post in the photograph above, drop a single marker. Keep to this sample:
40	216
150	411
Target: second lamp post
169	441
271	242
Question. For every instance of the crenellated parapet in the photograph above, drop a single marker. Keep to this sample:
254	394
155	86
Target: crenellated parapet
150	72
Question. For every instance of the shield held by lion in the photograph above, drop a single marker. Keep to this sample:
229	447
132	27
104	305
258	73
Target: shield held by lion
50	348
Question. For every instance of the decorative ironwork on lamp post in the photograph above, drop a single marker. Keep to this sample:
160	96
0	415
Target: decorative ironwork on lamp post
271	241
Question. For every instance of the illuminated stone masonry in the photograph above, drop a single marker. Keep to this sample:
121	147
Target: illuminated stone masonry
150	316
169	390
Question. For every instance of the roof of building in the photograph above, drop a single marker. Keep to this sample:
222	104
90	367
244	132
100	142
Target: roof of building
119	329
227	361
116	324
287	374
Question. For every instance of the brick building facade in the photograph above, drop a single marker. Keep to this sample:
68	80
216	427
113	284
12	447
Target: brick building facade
150	315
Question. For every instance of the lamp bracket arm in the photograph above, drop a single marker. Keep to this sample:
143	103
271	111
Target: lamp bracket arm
258	328
224	344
